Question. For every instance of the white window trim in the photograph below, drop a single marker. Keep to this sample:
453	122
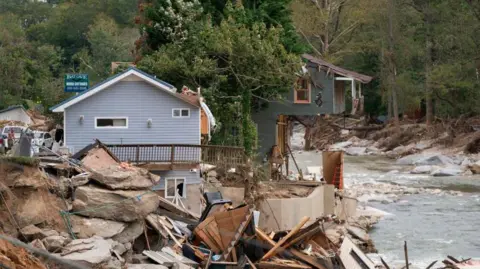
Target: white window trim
111	127
173	115
176	178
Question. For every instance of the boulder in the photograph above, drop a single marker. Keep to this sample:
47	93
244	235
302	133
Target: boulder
31	232
373	150
410	159
119	248
88	227
475	167
448	171
55	243
89	252
423	169
47	233
133	205
435	160
130	233
37	243
400	150
423	145
341	145
113	263
116	177
356	151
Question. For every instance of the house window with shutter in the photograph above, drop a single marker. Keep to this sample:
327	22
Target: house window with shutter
302	93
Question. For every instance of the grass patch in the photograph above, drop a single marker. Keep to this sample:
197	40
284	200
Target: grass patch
28	161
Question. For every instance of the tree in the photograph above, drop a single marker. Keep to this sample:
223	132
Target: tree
233	64
392	63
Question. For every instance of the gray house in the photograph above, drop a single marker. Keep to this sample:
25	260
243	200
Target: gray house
141	119
320	89
15	113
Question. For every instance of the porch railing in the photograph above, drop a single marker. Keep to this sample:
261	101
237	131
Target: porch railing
178	154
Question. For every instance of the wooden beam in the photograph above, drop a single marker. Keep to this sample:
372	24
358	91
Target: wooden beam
276	265
285	238
299	255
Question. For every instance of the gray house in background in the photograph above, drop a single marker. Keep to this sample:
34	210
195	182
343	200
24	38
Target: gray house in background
134	108
15	113
320	89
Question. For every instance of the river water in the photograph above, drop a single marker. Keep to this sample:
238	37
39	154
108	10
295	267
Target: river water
443	221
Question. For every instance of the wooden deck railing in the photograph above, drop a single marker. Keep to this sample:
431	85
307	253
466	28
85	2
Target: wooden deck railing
179	154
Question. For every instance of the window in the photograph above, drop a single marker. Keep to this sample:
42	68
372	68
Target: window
302	91
107	123
173	185
181	113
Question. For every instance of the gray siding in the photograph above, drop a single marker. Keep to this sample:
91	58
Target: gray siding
191	177
266	119
17	114
139	101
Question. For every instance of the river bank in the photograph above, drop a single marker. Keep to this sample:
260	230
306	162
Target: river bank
434	214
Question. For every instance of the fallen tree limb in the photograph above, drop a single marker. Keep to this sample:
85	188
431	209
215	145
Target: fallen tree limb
358	128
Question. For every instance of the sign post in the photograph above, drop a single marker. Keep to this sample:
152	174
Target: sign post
76	82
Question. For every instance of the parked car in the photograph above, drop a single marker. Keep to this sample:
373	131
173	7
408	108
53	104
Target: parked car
42	139
4	134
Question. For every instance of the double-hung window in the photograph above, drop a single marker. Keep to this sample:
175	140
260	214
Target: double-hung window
302	93
175	185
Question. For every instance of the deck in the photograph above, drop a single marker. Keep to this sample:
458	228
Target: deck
179	156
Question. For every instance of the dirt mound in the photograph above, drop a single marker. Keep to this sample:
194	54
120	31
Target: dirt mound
18	258
25	199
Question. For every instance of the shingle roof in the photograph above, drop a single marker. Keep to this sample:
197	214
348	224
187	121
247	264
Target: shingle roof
12	108
161	82
337	70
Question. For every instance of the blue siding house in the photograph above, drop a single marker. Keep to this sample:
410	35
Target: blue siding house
134	108
321	89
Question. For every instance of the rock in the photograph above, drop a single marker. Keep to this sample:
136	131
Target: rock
37	243
373	150
341	145
118	247
358	233
80	179
47	233
410	159
130	233
423	169
145	266
133	205
447	171
400	150
88	252
212	173
356	151
113	263
354	139
31	232
475	167
435	160
55	243
88	227
139	259
117	178
64	234
423	145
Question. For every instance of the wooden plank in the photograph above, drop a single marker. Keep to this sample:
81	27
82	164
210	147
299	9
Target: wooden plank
239	233
180	258
159	257
303	236
299	255
171	235
274	265
285	238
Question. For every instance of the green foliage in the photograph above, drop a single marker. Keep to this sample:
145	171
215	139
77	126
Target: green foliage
232	63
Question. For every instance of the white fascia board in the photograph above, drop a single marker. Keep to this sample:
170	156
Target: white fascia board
110	83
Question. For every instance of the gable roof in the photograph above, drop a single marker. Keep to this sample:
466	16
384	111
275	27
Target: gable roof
168	88
336	69
12	108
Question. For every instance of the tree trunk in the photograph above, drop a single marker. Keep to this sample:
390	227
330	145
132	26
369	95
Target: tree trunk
392	67
308	138
428	67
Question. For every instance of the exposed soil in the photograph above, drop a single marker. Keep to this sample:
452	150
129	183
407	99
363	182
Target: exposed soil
276	190
18	258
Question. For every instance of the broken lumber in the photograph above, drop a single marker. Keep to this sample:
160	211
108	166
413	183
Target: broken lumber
285	238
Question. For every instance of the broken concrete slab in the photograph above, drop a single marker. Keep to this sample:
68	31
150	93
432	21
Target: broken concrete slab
358	232
91	251
88	227
55	243
116	177
130	233
134	205
350	261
